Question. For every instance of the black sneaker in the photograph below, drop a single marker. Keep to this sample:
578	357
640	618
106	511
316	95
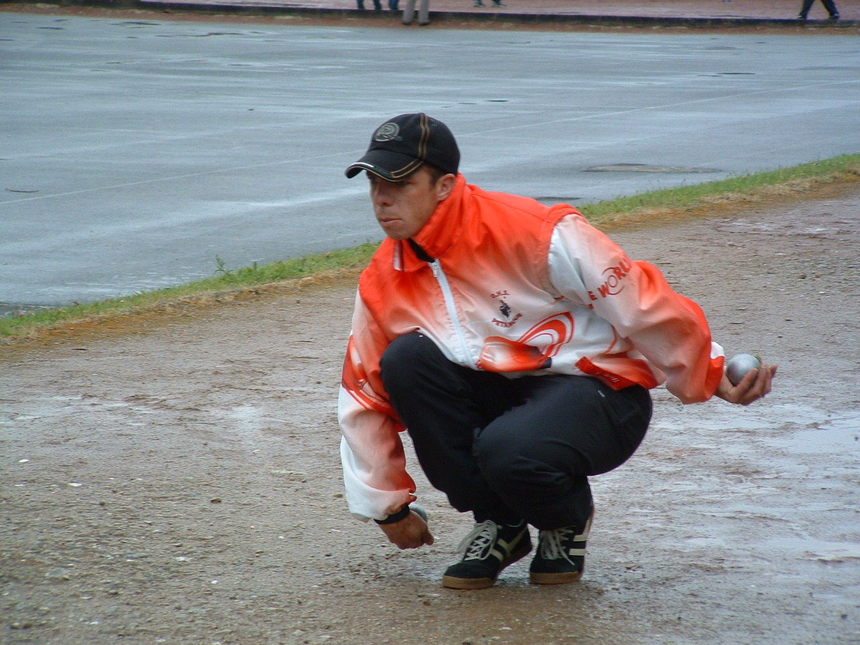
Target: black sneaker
488	549
560	556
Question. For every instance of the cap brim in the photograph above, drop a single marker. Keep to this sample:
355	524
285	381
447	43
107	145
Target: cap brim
390	166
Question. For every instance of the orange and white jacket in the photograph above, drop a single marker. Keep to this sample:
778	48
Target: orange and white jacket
519	288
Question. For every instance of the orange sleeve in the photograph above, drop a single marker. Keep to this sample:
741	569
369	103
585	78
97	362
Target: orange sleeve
372	455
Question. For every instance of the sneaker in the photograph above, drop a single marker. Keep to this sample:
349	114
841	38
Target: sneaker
560	556
487	549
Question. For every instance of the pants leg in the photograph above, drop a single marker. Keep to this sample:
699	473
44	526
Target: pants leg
538	455
442	405
804	10
830	5
409	12
509	449
424	13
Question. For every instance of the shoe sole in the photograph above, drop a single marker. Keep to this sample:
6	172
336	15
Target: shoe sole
565	577
554	578
466	584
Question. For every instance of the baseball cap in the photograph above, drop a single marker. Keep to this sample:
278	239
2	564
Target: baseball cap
401	145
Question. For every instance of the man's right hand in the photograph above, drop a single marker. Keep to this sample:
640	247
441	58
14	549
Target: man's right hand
409	533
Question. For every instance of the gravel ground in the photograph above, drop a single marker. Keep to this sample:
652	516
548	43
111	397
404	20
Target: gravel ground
174	477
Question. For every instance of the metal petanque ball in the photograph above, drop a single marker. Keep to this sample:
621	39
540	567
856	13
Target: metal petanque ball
739	365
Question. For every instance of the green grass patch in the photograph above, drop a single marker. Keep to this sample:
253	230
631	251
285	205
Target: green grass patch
845	168
224	280
744	186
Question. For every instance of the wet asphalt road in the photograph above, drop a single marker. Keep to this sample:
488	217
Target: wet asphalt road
138	154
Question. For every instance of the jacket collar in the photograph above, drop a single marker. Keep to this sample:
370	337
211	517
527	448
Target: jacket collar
446	224
442	230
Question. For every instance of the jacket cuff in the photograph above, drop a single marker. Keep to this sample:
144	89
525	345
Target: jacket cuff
395	517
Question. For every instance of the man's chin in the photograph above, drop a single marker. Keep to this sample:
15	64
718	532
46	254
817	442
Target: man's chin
394	230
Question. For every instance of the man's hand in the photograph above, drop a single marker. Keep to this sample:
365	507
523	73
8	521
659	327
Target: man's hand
409	533
751	387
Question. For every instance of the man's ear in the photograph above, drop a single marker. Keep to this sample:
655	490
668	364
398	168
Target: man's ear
445	186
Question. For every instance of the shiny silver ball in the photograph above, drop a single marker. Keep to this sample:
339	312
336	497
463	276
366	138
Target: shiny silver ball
738	366
419	510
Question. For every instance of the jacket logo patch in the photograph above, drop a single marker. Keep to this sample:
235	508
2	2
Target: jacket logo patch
505	310
532	351
612	280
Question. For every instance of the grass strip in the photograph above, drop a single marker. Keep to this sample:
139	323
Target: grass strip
782	182
743	189
224	280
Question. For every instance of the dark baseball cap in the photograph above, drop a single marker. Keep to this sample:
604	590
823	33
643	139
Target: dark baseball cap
403	144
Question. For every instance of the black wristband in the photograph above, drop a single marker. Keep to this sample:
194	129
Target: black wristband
396	517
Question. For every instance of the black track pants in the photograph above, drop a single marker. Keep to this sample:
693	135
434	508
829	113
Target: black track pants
511	449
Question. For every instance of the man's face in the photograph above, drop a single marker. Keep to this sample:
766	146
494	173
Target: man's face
402	208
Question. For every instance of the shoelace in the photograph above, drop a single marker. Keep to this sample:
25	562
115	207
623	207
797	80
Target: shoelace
552	542
474	545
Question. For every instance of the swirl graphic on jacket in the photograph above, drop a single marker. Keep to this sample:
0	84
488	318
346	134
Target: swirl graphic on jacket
532	351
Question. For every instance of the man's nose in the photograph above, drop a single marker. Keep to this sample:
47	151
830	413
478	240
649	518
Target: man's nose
382	193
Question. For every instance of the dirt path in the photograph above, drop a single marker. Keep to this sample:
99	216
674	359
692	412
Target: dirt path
177	480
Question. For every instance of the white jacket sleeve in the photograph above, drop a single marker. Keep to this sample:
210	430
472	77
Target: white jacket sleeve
668	329
372	455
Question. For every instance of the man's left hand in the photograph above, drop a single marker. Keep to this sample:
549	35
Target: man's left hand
755	385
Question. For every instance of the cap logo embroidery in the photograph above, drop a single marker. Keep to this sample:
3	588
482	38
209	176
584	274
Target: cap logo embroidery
387	132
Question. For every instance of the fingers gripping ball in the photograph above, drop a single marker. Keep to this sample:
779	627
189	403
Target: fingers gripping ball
739	365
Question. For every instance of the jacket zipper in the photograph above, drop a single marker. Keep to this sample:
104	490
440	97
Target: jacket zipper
448	296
